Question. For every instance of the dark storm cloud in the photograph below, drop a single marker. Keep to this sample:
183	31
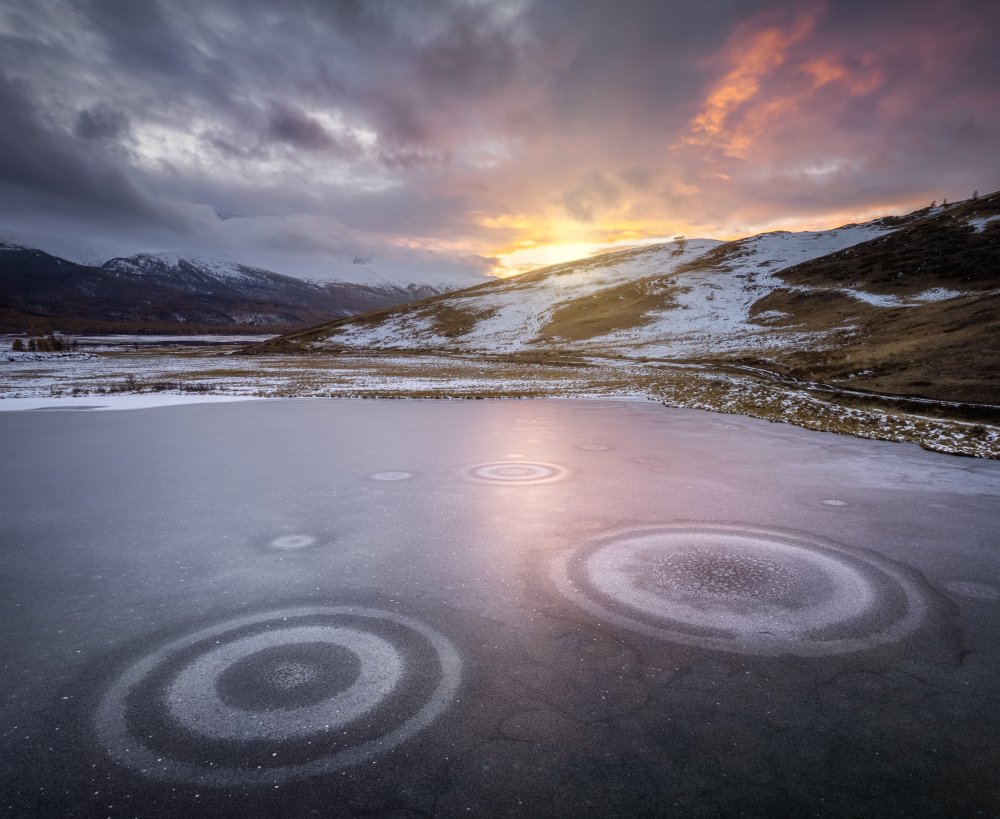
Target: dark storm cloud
291	126
466	125
140	37
101	122
38	162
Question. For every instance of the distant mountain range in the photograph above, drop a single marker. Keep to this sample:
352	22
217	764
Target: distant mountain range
166	292
907	305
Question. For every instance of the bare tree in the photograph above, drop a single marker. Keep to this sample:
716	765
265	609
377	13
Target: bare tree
680	245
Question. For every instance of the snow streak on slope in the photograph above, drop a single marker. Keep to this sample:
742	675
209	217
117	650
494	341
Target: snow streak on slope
880	300
711	312
982	223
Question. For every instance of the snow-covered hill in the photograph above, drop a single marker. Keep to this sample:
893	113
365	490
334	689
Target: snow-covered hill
657	301
840	300
92	252
198	274
667	301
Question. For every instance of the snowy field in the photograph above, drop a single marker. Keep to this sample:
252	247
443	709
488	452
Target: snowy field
518	608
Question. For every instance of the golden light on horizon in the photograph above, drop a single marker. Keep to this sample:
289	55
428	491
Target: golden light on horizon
543	240
543	243
532	256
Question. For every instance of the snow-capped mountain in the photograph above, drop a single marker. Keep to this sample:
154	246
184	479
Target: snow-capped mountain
166	288
69	248
862	301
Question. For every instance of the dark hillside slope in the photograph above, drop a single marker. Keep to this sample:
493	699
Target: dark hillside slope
946	348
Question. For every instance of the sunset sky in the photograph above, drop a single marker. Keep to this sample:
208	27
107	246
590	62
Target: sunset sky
469	138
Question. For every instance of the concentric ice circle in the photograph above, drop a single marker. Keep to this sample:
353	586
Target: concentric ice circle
741	589
270	698
292	543
515	473
392	476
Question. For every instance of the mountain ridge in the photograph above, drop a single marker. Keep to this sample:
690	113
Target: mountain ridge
160	291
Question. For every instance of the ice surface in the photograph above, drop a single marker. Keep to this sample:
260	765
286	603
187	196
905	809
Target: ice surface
191	595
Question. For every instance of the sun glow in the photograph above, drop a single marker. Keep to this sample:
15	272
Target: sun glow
531	256
534	247
543	240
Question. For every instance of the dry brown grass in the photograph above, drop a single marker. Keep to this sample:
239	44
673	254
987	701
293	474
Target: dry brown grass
453	321
947	350
812	311
621	307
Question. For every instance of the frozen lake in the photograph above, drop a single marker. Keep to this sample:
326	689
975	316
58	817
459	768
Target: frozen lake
491	608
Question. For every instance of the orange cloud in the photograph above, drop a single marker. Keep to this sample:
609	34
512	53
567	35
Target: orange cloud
754	54
824	70
739	109
827	69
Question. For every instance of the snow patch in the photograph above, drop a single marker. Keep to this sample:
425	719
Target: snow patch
880	300
712	312
980	224
117	402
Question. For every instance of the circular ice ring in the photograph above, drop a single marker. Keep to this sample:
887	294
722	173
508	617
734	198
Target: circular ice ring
292	543
597	579
201	709
516	473
115	735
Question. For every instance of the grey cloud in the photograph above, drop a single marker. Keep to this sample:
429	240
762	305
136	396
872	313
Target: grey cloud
101	122
141	36
593	192
37	159
293	127
475	54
